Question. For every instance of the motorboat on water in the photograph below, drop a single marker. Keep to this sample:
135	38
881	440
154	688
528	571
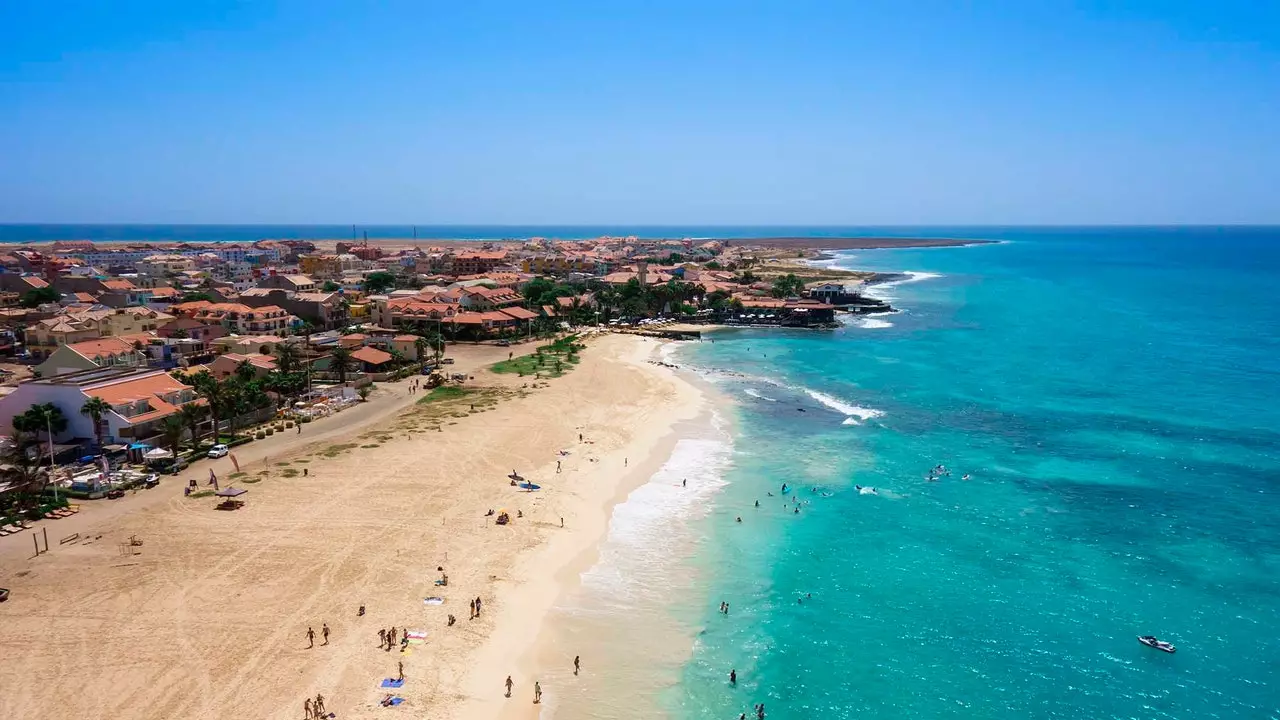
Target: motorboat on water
1152	642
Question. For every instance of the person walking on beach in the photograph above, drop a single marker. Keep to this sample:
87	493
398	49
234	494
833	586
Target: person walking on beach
537	693
319	705
557	466
577	663
472	606
509	685
477	607
324	631
306	708
311	638
401	663
382	637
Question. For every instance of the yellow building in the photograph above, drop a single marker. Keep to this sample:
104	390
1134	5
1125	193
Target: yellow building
319	265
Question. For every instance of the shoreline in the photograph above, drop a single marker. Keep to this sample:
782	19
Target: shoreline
229	595
527	633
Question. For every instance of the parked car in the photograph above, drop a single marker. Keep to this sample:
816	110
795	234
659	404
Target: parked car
504	343
115	493
447	361
218	451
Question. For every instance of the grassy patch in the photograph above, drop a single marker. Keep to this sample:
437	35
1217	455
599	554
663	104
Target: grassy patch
445	393
370	446
551	360
290	472
235	475
201	493
303	461
251	481
335	450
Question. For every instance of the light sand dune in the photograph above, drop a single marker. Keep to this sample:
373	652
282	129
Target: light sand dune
210	619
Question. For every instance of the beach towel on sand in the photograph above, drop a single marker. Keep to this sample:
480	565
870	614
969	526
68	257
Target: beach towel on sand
389	683
396	701
433	601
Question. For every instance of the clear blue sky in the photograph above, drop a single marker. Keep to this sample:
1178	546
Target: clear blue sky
852	112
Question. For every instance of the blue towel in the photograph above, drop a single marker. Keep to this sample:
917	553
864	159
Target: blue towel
397	700
392	683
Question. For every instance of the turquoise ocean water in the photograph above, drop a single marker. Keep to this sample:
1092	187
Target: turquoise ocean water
1113	396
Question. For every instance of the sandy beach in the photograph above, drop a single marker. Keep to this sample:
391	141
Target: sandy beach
210	617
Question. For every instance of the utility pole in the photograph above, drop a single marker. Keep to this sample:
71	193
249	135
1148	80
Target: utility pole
48	424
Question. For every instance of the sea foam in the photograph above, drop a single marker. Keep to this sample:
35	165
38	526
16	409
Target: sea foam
635	563
853	413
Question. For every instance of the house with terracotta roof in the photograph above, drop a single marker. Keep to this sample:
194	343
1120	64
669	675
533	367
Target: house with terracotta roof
190	328
406	312
140	399
21	284
473	263
372	360
239	317
45	336
485	298
90	354
225	365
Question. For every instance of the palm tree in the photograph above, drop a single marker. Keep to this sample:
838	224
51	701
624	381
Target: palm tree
341	362
96	408
192	414
43	418
172	434
420	347
286	358
214	393
245	371
25	476
363	391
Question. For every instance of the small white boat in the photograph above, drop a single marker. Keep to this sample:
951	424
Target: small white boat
1152	642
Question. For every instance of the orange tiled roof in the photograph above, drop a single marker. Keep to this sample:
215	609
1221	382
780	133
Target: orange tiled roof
371	356
91	349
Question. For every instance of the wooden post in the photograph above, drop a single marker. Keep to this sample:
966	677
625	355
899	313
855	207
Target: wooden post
36	540
46	539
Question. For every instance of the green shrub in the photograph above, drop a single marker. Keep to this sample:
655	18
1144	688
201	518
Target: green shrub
259	435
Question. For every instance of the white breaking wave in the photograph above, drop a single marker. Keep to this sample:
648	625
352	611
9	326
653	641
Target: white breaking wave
636	559
853	413
756	394
873	322
882	291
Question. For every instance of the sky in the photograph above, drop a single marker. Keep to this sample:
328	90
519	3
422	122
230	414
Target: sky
824	113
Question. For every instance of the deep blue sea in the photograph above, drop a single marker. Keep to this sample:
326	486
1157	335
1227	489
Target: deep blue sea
1111	395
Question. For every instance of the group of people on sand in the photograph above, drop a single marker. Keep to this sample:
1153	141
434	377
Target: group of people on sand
311	635
537	686
315	708
475	606
388	637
